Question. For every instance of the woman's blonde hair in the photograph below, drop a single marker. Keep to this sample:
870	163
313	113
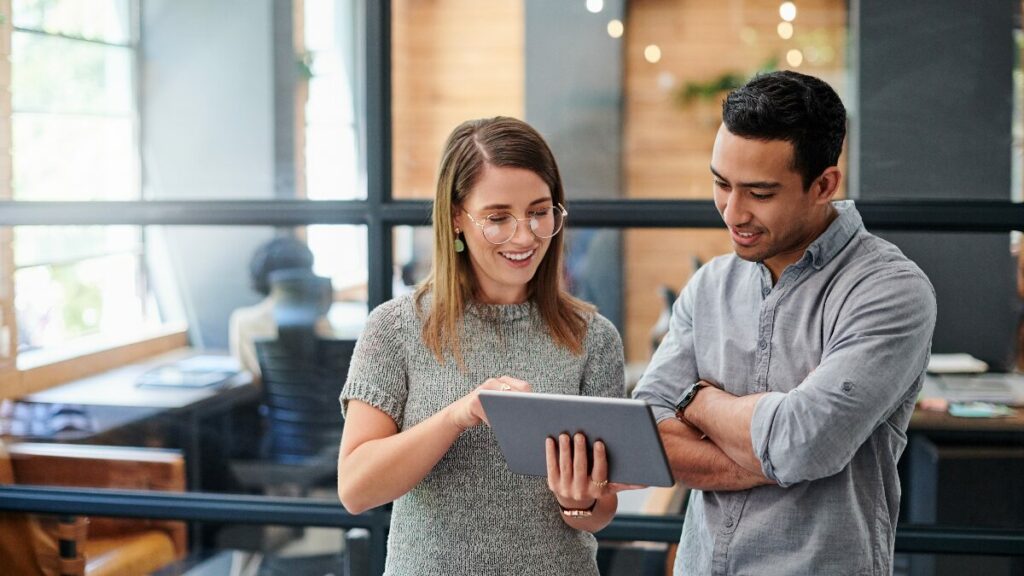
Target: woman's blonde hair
500	142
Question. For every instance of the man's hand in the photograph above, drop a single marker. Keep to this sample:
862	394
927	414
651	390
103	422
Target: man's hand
700	464
726	421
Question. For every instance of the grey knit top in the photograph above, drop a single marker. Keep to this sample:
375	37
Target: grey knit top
470	515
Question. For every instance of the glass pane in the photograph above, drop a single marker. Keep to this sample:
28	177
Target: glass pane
46	245
413	256
81	289
61	157
451	61
266	108
955	564
341	255
635	557
276	550
68	76
627	274
1018	115
63	302
8	333
632	108
106	20
332	159
234	286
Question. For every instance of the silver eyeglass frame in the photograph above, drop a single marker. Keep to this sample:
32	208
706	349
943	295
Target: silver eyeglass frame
515	229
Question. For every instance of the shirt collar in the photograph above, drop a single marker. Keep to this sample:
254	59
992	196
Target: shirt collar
838	234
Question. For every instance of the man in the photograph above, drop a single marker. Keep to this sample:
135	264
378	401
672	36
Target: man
786	382
256	322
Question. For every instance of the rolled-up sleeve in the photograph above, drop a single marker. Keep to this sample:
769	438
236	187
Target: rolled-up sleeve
674	365
876	353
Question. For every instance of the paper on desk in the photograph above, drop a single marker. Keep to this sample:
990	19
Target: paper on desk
956	364
209	363
980	410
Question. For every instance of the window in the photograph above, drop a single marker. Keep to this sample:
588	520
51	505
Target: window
75	134
331	153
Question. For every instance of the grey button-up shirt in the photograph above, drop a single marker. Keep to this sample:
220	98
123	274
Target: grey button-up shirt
840	344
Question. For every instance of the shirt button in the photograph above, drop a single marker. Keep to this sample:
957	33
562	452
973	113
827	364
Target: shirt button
763	344
728	522
765	291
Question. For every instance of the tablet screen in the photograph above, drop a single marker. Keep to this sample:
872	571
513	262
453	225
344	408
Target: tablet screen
522	422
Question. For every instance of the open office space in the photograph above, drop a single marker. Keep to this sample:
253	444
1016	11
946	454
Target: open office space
151	149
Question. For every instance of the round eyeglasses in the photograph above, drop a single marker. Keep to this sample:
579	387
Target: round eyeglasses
500	227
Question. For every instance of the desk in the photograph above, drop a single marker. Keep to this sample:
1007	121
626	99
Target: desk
965	472
942	424
111	401
998	388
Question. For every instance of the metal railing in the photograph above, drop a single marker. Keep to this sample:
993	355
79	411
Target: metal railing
242	509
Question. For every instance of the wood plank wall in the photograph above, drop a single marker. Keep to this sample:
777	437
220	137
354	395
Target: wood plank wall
668	145
8	330
452	60
460	59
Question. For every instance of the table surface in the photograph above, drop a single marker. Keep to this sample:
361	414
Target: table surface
91	406
119	387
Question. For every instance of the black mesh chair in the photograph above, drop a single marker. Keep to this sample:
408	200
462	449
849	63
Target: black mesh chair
301	418
302	376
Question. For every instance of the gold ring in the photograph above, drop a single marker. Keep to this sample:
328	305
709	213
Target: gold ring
600	484
505	387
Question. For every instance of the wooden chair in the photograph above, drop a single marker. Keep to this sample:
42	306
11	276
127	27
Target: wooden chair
43	545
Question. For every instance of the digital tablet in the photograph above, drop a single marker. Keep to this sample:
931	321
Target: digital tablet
522	421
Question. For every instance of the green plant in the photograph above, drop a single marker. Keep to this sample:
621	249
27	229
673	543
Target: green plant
707	90
304	63
710	89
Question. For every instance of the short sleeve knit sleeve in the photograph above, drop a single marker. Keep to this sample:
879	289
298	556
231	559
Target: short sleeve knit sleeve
377	373
605	373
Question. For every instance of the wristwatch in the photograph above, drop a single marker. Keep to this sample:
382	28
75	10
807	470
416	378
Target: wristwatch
688	397
578	512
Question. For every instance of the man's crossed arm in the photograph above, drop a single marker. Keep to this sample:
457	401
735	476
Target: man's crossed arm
724	459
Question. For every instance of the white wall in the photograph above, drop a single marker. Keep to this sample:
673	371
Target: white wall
207	133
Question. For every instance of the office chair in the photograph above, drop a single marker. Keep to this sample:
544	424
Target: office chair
300	415
302	379
302	373
302	376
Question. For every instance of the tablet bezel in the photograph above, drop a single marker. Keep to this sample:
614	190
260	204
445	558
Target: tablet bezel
627	428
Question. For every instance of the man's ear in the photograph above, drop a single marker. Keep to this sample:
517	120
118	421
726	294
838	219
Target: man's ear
825	186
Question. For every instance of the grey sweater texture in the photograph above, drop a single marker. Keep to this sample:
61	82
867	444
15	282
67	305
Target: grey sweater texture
470	515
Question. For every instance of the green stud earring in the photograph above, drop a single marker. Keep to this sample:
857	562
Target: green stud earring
460	246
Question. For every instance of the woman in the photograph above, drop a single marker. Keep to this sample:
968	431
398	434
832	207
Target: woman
492	315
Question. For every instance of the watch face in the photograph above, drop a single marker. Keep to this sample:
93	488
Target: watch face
687	396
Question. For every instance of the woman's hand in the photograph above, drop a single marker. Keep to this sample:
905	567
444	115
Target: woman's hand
466	412
568	475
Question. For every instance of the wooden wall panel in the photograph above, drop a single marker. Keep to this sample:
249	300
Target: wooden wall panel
460	59
8	330
668	145
452	60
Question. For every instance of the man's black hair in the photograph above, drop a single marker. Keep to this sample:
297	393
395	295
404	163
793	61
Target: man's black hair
797	108
280	253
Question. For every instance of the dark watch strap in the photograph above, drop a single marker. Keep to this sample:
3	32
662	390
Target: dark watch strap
687	398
